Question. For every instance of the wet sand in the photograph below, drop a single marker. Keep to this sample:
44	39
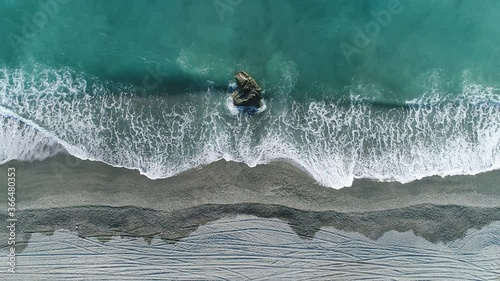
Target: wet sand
64	192
65	181
90	200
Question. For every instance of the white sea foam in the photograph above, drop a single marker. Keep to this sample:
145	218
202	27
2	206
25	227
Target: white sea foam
21	141
233	110
163	136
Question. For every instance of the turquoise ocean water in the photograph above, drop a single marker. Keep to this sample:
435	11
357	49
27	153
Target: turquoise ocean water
386	90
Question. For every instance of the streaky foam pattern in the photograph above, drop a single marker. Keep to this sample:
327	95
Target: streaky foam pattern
163	135
20	141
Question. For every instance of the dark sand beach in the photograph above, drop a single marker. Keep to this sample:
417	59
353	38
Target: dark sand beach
65	181
250	140
83	200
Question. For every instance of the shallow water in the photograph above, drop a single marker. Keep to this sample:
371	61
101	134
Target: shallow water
388	112
142	85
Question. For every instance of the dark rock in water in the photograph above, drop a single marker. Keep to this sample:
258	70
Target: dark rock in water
248	93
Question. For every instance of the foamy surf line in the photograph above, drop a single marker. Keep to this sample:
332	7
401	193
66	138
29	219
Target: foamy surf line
164	136
24	140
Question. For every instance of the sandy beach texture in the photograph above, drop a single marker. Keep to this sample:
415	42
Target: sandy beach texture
67	198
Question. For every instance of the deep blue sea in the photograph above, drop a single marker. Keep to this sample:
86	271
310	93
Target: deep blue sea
386	90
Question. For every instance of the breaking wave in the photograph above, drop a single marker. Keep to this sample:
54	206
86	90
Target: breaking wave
54	111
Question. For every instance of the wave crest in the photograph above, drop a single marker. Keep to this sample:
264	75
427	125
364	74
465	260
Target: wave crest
163	136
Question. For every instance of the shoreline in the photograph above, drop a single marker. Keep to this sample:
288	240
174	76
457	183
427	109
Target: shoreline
66	181
67	193
69	208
